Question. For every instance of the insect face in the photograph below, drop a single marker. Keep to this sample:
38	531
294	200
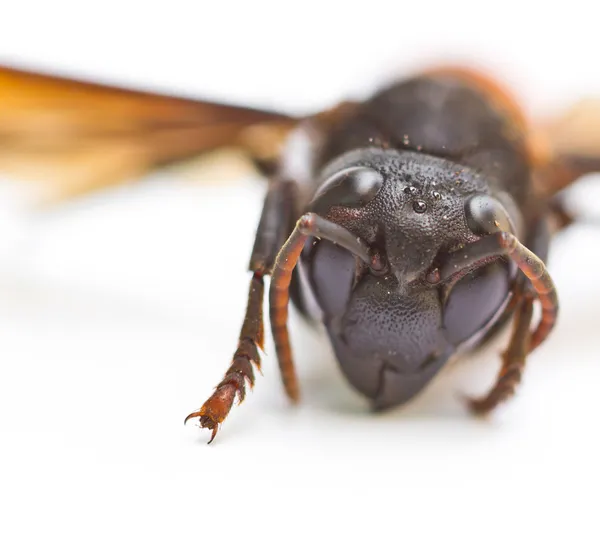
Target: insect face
391	327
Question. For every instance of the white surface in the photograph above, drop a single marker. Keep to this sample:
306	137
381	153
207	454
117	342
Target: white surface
120	312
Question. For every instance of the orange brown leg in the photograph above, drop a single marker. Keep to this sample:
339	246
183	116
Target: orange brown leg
513	361
272	231
217	407
540	287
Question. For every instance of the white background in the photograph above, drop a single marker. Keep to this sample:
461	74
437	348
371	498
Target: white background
119	312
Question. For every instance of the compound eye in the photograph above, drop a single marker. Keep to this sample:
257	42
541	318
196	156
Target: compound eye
486	215
352	187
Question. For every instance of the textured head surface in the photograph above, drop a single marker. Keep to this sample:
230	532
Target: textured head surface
418	211
389	329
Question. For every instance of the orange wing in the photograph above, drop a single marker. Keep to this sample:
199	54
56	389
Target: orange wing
83	136
567	147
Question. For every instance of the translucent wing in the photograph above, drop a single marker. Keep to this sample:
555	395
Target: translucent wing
79	136
567	147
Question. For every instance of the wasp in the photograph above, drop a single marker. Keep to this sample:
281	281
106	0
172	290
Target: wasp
412	225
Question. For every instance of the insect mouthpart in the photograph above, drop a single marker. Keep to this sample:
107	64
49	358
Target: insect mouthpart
379	264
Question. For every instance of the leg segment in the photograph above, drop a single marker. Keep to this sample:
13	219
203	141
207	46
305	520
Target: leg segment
513	361
272	230
216	408
539	286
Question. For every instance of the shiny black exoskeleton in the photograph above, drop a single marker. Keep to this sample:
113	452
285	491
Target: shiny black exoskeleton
417	172
409	226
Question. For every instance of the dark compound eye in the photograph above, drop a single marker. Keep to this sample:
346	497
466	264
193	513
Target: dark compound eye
419	206
352	187
486	215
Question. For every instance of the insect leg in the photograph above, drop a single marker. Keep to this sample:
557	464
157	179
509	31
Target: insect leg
539	286
310	225
513	360
273	228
